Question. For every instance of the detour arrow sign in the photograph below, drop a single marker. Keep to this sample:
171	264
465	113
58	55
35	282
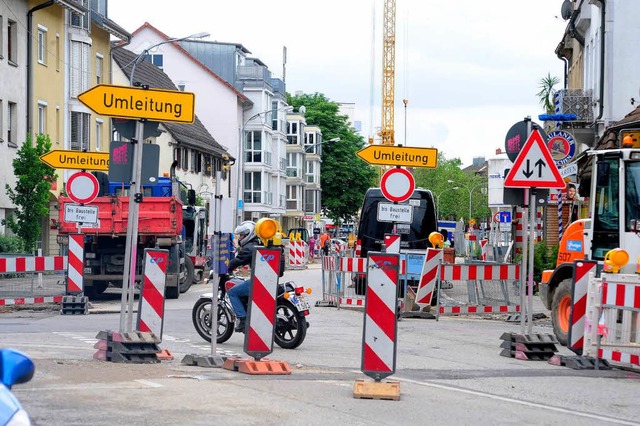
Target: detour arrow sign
386	155
134	102
76	160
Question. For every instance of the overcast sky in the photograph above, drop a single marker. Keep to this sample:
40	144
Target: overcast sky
469	69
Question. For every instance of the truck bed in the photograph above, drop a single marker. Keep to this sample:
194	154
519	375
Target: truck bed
157	216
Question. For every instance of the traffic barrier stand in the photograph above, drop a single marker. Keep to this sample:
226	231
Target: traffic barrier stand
261	316
578	362
531	347
577	316
612	329
379	336
136	347
151	303
75	302
329	290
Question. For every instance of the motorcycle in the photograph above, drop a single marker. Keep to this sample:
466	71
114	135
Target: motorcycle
292	306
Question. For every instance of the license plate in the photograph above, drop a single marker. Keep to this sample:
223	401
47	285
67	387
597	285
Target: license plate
301	303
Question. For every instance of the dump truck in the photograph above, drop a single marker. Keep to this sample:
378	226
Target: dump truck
160	226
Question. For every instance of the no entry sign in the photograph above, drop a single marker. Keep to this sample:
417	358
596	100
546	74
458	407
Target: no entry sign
82	187
397	185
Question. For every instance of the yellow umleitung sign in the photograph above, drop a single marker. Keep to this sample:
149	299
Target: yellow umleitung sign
135	102
386	155
76	160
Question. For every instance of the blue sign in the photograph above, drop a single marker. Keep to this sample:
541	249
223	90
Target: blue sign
505	217
574	245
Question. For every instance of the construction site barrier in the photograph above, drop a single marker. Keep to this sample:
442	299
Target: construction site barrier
612	329
151	303
298	252
26	280
483	288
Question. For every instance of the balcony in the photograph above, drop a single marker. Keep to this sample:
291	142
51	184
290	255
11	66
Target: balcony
578	102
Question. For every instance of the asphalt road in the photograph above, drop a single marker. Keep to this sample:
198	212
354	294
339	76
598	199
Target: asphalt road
449	372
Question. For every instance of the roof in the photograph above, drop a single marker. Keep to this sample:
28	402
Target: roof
246	102
192	135
111	27
609	139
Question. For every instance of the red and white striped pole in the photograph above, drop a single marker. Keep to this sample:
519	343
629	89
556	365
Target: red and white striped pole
75	268
258	341
151	307
578	314
380	321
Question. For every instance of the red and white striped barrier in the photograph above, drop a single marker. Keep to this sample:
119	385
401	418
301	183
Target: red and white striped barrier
428	277
151	307
258	341
464	272
578	314
484	248
75	274
33	264
479	309
519	237
392	243
297	258
611	330
31	300
380	321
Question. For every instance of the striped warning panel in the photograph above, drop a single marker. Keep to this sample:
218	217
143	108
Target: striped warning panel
618	356
617	294
151	304
30	300
33	264
463	272
359	264
578	313
479	309
352	301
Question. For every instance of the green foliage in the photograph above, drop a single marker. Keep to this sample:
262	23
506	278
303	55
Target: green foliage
11	244
31	194
344	176
451	186
544	257
547	92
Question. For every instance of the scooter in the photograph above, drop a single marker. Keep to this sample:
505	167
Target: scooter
292	307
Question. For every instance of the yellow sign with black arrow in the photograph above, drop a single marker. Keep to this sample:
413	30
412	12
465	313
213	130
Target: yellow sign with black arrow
137	103
76	160
387	155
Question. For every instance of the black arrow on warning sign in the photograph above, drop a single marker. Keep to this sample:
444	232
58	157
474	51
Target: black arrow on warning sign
528	172
540	164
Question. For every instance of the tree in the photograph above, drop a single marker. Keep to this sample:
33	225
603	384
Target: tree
547	92
344	176
31	194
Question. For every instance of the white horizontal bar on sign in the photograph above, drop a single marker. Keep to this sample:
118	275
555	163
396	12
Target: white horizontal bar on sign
464	272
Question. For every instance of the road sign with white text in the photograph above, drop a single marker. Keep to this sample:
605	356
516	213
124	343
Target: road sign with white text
400	213
134	102
534	167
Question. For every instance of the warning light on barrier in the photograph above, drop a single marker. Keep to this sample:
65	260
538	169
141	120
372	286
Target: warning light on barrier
615	260
269	229
436	239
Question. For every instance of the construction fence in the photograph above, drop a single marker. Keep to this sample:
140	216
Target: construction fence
32	279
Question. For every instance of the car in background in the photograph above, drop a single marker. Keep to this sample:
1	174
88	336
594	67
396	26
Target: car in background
15	367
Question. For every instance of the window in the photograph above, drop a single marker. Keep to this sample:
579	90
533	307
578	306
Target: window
12	124
292	165
155	59
208	168
184	163
196	161
42	117
42	45
292	133
252	187
309	175
79	131
99	6
99	124
12	42
181	87
274	115
253	147
78	20
58	60
80	68
99	62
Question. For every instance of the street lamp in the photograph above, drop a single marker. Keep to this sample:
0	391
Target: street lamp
240	198
135	197
470	193
306	147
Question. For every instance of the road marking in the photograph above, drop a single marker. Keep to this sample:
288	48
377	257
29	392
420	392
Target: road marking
149	383
520	402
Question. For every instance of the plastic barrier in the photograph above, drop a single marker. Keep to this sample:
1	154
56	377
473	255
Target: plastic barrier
298	250
612	329
577	318
30	280
151	303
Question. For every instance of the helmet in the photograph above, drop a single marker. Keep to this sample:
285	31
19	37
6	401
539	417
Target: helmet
246	232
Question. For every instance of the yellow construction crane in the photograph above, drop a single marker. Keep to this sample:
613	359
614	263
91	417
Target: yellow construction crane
388	72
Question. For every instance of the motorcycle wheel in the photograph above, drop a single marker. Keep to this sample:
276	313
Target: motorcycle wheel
291	326
201	316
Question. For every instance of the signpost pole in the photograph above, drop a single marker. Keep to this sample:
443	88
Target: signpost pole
523	264
532	222
129	276
217	205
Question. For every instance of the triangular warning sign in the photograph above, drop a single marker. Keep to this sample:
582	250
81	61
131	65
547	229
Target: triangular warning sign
534	167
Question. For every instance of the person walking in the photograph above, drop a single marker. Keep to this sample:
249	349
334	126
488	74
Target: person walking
312	247
325	242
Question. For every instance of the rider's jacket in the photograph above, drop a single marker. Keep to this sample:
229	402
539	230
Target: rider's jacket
244	255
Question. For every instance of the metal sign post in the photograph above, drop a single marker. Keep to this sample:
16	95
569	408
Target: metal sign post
217	203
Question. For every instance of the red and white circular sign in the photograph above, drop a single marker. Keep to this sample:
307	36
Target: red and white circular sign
397	185
82	187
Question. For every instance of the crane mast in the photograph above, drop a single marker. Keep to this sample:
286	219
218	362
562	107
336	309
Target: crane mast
388	72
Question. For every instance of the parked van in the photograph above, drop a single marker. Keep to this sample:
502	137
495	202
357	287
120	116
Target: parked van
413	236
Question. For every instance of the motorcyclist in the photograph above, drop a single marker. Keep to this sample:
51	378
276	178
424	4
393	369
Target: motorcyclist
247	242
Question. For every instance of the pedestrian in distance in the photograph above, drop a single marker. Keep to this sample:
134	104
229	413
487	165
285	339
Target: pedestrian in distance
325	243
312	247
